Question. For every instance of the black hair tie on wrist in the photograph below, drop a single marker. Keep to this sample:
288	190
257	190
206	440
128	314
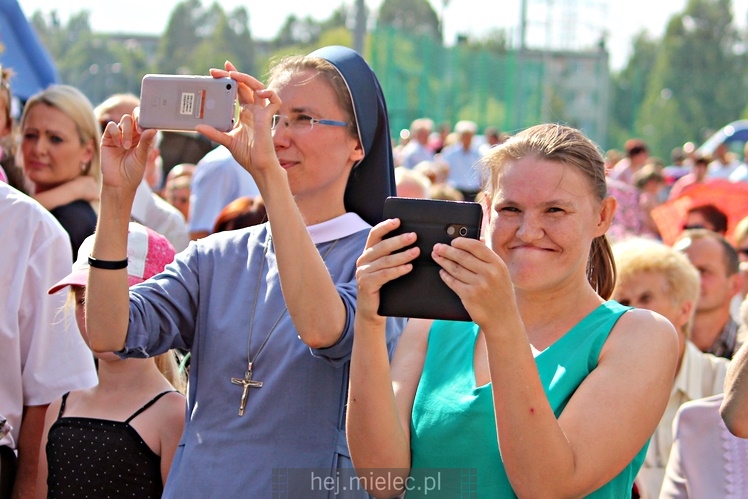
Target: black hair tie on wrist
107	264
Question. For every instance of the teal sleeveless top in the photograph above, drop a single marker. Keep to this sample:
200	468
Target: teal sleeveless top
453	428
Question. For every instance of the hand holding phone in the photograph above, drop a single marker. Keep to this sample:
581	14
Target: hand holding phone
422	293
178	102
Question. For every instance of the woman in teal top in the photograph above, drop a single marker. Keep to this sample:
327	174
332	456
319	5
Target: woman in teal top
552	391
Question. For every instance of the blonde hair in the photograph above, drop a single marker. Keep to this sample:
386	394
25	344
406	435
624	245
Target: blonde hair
76	106
639	255
567	145
741	230
5	74
169	366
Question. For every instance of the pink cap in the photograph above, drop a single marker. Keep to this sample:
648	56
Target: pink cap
148	252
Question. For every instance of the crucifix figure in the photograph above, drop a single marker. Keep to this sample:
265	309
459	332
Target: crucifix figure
246	382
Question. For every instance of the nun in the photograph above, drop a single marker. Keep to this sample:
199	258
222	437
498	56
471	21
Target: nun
267	312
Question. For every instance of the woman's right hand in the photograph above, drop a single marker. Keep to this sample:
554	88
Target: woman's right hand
251	140
124	151
380	264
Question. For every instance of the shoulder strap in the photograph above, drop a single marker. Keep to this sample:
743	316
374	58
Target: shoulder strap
62	405
147	405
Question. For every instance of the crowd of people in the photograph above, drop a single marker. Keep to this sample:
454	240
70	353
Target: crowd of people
213	327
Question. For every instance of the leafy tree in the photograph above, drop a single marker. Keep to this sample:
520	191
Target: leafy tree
96	64
307	32
181	37
416	17
697	80
628	89
496	41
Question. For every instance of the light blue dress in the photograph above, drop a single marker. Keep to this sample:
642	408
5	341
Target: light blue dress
290	442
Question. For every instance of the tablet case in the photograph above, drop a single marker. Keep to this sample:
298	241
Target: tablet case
421	293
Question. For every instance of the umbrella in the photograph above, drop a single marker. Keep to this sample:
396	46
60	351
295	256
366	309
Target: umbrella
730	197
737	131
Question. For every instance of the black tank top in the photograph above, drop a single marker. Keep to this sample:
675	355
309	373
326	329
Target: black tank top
100	458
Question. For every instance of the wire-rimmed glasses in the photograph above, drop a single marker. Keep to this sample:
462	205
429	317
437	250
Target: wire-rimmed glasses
301	123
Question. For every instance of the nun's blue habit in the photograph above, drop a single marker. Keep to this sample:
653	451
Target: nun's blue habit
290	443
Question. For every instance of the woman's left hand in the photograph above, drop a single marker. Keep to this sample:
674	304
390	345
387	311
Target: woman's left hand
478	276
251	140
380	263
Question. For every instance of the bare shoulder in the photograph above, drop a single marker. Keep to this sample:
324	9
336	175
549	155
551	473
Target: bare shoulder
171	411
642	334
53	410
175	402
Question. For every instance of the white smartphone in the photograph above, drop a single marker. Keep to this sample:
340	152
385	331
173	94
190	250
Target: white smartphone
179	102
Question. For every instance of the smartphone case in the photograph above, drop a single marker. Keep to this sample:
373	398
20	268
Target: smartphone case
421	293
179	102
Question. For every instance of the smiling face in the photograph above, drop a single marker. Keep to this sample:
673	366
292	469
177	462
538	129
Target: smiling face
544	217
51	148
317	161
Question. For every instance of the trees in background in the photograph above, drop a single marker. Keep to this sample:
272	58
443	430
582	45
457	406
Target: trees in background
97	64
672	89
687	84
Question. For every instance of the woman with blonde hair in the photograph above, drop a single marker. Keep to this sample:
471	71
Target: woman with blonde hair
61	159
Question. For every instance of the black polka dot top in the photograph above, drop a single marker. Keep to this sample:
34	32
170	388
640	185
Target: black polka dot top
101	458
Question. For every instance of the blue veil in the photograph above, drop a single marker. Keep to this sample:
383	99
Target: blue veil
373	179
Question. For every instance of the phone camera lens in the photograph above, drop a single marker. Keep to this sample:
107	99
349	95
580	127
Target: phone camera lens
228	86
463	231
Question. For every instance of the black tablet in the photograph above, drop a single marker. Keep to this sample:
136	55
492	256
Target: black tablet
421	293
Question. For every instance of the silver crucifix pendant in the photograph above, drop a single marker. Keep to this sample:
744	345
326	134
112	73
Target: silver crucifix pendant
246	382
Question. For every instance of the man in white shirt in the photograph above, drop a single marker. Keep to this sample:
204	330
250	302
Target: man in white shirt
42	355
462	157
417	149
217	181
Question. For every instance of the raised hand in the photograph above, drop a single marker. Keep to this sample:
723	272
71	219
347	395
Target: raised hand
124	150
478	276
379	264
251	140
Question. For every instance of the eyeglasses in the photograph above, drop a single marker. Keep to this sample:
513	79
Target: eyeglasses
301	123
